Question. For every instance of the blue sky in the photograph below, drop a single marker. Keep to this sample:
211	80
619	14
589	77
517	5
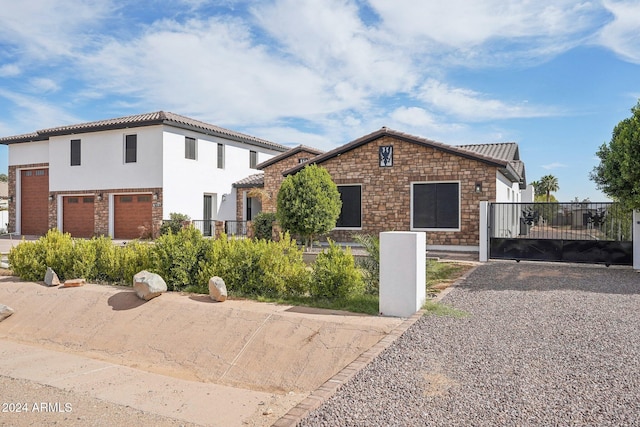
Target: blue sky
553	76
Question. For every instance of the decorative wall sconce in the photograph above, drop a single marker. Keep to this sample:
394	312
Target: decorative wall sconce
224	197
478	187
155	196
99	197
10	199
51	197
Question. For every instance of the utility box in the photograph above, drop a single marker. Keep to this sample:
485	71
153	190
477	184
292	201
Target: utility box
402	272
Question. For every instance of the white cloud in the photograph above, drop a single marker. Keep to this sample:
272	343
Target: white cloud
33	113
40	85
10	70
622	34
413	116
471	105
554	165
43	29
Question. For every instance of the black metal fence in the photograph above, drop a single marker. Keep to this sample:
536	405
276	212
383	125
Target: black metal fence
566	221
235	228
205	226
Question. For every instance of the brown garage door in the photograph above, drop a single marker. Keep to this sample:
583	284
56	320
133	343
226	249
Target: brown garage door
132	211
34	200
77	216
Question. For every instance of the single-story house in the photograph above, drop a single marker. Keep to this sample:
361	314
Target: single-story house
389	180
121	177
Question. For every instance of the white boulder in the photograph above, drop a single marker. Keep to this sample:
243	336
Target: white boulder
148	285
217	289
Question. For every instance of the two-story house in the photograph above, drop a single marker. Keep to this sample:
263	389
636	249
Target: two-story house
120	177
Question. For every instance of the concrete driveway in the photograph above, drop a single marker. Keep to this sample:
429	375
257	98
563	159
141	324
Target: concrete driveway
178	355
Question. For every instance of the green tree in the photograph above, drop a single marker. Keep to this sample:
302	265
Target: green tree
4	177
548	184
618	174
308	203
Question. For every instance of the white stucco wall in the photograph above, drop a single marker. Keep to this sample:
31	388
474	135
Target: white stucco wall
28	153
102	161
186	181
507	223
507	191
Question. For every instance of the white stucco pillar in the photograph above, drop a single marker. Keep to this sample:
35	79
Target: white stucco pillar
636	240
402	272
484	232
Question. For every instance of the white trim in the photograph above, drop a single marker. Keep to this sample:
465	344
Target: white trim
452	230
351	228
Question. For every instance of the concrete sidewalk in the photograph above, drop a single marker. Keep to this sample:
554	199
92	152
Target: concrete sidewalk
178	355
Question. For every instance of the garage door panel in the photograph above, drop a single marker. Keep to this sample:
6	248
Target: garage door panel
34	201
78	216
131	211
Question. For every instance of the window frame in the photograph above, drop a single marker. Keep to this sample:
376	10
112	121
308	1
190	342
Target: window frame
75	146
190	148
350	227
220	155
449	229
253	159
128	150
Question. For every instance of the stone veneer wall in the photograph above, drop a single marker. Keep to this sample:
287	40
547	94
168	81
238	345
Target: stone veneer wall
386	191
273	178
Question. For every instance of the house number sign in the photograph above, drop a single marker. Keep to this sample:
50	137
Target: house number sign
385	153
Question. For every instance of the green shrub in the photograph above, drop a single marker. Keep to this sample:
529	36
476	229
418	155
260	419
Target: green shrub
174	224
263	225
176	257
335	274
134	257
255	267
83	261
370	265
27	261
108	267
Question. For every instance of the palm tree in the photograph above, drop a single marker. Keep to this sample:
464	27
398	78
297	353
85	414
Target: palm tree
548	184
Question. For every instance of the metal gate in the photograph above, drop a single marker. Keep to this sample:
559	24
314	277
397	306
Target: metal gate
587	232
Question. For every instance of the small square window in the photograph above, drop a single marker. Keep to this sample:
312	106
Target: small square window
253	159
131	148
190	148
303	159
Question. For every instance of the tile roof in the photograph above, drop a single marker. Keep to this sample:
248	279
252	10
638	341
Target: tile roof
289	153
255	180
148	119
501	155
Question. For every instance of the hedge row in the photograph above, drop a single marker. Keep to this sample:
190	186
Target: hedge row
186	260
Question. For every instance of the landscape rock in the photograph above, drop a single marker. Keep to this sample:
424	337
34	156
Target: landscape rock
5	311
51	278
74	283
148	285
217	289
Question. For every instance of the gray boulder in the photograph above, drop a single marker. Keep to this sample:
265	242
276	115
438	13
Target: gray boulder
5	311
148	285
217	289
51	278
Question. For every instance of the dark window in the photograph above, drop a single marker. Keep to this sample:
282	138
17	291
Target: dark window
131	148
142	199
75	152
189	148
253	159
72	200
126	199
436	205
220	156
302	159
87	200
28	173
40	172
351	213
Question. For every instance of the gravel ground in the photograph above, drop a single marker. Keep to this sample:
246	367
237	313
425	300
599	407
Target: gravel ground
542	345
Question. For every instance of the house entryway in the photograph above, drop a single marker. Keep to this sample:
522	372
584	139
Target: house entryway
588	232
